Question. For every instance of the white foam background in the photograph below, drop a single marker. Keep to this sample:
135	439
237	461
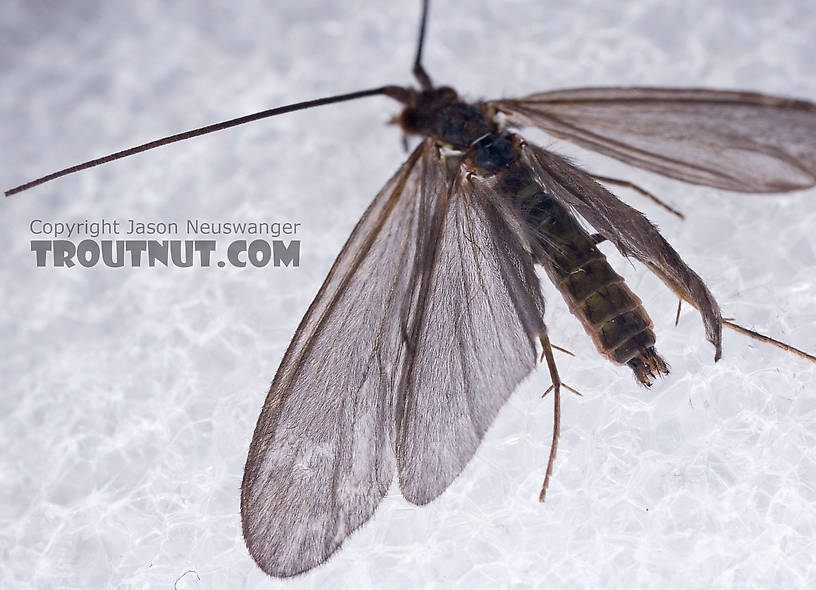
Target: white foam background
129	395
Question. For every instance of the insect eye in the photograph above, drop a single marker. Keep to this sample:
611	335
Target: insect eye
409	120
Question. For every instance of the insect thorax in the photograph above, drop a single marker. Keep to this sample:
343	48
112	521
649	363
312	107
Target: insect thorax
440	114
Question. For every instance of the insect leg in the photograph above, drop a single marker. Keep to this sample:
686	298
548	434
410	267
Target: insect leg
564	350
769	340
556	386
636	188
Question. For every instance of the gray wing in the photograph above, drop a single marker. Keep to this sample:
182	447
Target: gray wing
736	141
627	228
473	336
322	455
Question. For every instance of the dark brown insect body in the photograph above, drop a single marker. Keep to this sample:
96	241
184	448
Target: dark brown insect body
611	314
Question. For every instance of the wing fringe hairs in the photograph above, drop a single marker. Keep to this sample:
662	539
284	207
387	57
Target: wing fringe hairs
737	141
627	228
387	371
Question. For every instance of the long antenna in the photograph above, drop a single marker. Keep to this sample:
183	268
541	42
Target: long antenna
395	92
419	71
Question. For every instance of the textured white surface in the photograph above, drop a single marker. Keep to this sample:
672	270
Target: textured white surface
129	396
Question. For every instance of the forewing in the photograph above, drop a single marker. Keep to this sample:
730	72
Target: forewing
625	227
737	141
322	456
474	332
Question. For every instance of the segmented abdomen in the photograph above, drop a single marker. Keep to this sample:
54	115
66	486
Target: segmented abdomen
610	312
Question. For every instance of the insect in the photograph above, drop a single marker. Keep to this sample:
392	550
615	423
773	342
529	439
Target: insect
454	316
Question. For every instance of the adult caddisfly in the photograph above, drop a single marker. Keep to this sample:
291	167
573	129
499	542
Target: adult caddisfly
432	313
